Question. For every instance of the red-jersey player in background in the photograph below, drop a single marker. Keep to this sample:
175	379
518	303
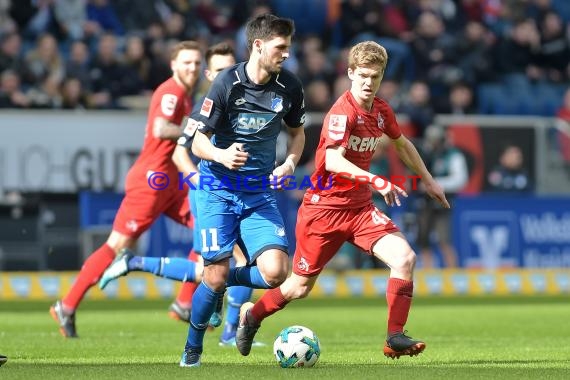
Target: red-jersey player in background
144	201
330	216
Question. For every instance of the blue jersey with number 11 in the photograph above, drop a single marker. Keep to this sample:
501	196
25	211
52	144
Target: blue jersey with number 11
236	110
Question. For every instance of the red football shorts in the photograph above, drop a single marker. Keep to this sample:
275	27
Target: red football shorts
140	208
320	233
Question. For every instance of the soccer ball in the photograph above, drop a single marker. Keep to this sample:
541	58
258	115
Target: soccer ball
296	346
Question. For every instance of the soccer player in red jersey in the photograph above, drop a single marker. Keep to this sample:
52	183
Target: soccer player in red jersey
147	191
332	215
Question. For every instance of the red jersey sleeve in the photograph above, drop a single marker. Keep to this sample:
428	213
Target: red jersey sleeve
391	127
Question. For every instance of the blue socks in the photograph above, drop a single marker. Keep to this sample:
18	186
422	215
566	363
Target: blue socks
203	305
237	296
229	333
176	268
247	276
135	263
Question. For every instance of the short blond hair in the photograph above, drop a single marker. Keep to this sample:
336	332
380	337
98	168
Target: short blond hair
367	53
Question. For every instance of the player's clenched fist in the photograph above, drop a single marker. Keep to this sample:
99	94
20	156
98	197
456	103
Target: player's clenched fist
233	157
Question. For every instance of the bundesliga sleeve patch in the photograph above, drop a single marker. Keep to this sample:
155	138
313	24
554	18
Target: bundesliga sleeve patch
168	104
206	109
337	126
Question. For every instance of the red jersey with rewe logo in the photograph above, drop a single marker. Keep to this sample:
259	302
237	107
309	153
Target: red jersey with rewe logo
170	102
358	131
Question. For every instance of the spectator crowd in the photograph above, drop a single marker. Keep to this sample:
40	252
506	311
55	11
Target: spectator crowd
446	56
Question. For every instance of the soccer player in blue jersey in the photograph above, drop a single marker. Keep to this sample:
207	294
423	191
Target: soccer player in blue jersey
237	128
218	57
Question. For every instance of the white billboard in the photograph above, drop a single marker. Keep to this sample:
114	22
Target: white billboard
59	151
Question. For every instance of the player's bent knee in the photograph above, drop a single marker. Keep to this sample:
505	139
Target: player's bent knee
274	276
404	262
275	281
216	283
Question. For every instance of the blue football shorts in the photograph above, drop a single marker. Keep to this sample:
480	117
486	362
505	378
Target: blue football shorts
252	220
196	240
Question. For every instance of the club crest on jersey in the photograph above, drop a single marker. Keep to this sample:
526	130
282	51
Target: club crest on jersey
277	104
380	121
337	126
303	265
206	108
168	104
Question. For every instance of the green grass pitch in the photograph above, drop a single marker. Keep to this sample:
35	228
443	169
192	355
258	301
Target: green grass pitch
467	338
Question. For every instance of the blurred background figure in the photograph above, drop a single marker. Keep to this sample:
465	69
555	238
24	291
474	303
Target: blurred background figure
418	107
448	166
460	101
510	175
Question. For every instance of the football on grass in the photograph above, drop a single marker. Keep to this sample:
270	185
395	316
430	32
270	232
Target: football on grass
297	346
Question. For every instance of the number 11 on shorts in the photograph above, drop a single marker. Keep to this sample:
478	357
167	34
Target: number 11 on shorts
213	240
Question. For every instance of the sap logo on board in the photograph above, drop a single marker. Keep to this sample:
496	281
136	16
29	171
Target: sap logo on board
137	287
434	284
21	286
562	282
112	289
328	284
538	282
487	282
460	283
380	284
513	282
50	285
355	285
165	287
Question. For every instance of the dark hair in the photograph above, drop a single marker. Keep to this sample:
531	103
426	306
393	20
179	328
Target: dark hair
266	26
222	48
184	45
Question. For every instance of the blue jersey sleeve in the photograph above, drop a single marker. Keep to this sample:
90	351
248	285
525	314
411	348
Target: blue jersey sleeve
296	116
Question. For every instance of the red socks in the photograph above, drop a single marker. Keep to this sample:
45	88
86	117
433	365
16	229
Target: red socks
272	301
90	273
184	297
399	297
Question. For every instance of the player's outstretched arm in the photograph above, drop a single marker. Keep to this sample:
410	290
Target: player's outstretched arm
233	157
410	156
